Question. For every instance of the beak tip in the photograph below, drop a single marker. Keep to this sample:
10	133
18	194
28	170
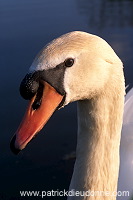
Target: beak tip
12	146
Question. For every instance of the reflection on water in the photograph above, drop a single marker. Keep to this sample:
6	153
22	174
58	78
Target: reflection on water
104	13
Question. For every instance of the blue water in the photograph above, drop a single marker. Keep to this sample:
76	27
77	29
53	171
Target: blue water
25	27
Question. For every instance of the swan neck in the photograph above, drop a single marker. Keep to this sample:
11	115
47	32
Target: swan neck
97	155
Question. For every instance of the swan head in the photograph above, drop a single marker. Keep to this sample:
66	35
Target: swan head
75	66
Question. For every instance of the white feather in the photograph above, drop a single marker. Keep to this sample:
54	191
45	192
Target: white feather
126	150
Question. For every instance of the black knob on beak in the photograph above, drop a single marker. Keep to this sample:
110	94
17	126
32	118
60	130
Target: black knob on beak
29	86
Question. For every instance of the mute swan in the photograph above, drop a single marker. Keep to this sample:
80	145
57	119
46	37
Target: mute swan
79	67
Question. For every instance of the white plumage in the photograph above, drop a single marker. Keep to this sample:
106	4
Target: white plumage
126	151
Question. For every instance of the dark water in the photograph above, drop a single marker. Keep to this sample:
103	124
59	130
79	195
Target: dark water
25	27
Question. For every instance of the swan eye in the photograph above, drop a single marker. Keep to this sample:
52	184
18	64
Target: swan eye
69	62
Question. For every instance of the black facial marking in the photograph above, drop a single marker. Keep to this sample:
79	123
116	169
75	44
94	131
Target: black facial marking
29	85
55	77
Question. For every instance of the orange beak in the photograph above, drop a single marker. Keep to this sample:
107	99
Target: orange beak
34	120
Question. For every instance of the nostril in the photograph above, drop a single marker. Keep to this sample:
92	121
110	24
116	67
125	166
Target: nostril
28	87
38	99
